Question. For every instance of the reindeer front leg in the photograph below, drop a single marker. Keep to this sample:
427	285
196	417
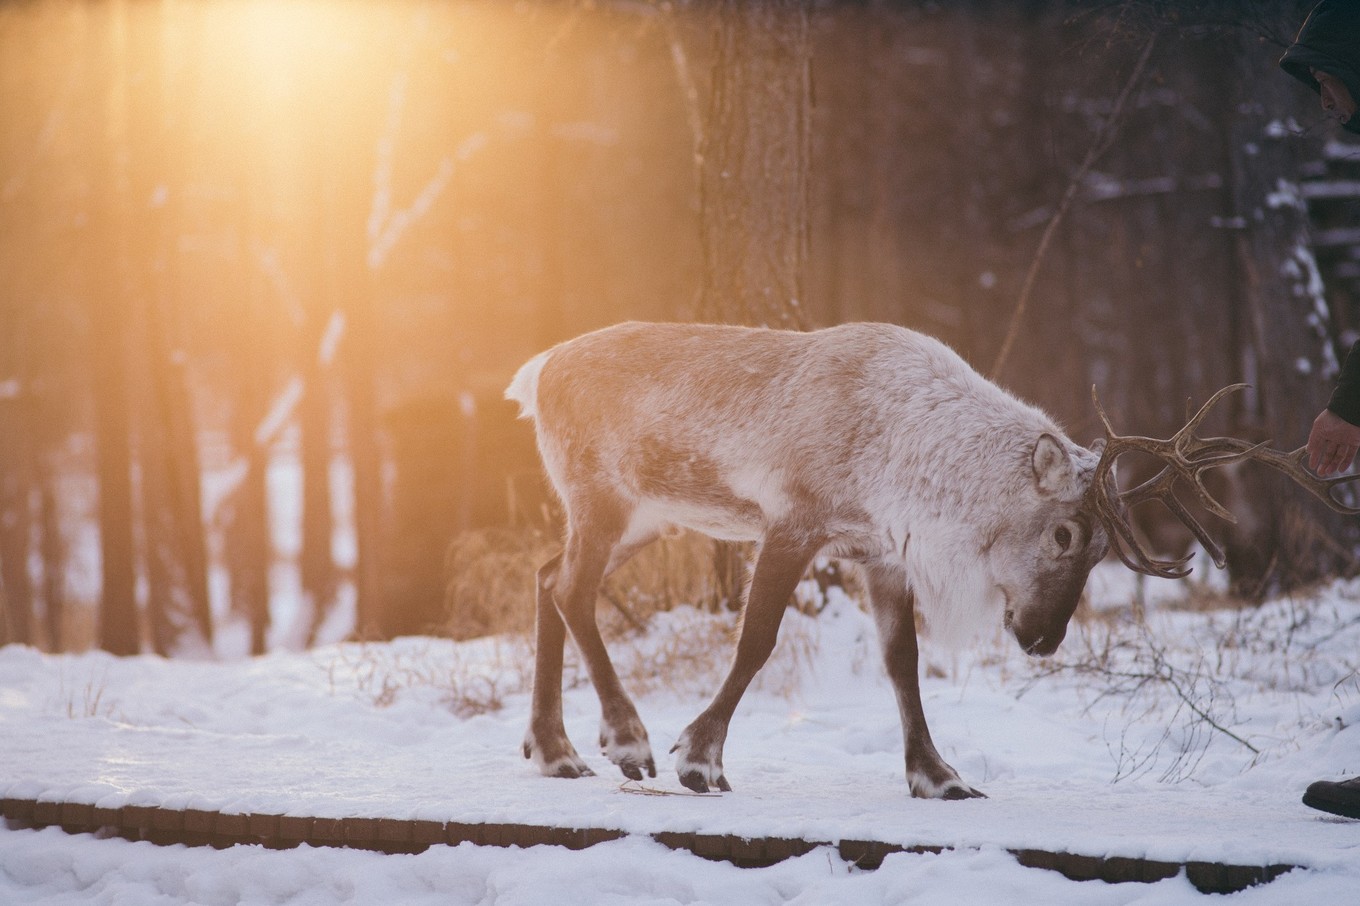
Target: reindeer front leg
894	606
780	564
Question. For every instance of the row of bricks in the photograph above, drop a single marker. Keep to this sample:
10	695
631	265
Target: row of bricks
199	826
1207	877
196	826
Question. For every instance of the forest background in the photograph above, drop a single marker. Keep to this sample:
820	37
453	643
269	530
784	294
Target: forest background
316	238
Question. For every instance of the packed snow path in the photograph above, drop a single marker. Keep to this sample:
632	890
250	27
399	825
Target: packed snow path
363	733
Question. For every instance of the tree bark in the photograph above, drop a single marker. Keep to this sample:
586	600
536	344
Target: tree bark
111	299
16	485
176	559
754	165
317	567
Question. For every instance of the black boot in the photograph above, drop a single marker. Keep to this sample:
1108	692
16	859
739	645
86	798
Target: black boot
1340	797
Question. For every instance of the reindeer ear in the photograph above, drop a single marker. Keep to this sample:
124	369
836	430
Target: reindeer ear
1053	469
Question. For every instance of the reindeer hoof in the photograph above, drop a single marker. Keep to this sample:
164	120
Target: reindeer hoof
557	758
629	749
694	780
959	792
569	771
633	770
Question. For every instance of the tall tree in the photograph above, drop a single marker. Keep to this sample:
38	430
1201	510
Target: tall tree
17	482
175	554
316	563
110	296
754	164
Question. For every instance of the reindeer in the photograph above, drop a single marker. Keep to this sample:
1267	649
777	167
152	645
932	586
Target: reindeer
867	442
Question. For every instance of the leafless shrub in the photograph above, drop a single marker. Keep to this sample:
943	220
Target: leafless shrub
468	678
793	657
1137	670
687	653
1188	681
677	570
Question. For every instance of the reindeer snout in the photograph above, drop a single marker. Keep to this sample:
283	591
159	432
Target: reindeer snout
1040	644
1043	646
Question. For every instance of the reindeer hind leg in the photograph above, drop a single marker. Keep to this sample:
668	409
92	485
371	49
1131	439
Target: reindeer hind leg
546	742
595	546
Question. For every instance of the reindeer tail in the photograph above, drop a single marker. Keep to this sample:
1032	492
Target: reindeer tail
523	388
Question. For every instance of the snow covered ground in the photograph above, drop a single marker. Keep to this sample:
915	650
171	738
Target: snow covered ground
1191	739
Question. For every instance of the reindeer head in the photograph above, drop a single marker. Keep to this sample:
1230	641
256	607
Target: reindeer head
1041	558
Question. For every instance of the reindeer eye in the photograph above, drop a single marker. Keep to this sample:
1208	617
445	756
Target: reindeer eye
1063	535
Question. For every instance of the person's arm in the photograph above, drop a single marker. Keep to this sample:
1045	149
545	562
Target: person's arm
1345	400
1335	438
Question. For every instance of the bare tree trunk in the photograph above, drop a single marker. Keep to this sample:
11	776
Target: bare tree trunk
316	564
177	602
111	299
754	163
351	291
249	545
249	551
363	448
54	550
16	484
251	548
248	548
350	192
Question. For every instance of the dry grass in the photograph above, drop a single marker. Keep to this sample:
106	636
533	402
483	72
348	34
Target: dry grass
89	700
676	570
490	589
491	576
688	656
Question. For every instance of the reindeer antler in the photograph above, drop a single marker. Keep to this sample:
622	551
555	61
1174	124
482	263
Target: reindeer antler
1187	458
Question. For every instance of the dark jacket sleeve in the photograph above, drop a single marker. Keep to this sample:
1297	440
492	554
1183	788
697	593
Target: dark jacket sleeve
1346	397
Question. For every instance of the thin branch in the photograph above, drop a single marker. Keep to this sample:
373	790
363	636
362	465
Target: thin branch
1104	138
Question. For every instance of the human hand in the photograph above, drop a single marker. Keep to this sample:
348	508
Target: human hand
1332	444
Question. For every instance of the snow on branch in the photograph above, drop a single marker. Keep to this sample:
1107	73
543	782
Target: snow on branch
330	339
385	225
382	241
280	412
